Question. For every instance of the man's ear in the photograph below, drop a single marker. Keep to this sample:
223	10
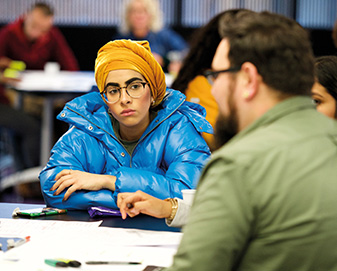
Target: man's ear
251	80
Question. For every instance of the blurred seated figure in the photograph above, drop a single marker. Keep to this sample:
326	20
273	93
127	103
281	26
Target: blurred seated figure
324	91
34	40
143	20
190	79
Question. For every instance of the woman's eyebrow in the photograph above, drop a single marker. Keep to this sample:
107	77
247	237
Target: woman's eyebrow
113	84
133	79
315	93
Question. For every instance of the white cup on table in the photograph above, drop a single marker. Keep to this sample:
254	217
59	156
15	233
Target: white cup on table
188	195
52	67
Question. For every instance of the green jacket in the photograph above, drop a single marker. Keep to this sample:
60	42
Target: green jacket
267	200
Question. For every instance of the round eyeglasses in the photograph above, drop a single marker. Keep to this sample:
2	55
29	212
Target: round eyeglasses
112	94
212	75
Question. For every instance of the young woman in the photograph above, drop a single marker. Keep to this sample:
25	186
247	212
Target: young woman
133	135
324	91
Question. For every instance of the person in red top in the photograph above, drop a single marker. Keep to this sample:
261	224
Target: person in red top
34	40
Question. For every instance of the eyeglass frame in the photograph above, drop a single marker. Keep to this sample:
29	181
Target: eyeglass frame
214	74
120	92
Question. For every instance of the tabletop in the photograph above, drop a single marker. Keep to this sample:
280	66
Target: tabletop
142	222
58	82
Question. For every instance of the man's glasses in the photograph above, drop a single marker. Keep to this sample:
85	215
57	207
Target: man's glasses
212	75
112	94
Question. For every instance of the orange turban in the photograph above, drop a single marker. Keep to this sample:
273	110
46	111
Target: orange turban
131	55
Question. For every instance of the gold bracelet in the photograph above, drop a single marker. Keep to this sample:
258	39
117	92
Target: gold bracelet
174	203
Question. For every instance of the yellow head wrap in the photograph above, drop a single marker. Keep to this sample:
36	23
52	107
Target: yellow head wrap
132	55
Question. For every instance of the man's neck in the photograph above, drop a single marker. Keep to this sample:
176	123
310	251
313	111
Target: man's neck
263	102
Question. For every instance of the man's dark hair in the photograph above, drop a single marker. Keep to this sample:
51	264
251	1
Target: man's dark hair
278	46
44	7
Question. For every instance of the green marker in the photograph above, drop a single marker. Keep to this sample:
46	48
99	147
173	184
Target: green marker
55	263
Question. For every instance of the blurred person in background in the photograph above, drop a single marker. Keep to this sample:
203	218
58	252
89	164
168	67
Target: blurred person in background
324	91
190	79
33	39
143	20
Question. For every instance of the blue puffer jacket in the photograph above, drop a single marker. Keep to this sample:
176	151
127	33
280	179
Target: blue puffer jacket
168	157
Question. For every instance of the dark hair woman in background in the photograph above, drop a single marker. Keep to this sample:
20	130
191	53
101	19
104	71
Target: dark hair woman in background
324	91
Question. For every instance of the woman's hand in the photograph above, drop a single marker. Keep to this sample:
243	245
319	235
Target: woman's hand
79	180
140	202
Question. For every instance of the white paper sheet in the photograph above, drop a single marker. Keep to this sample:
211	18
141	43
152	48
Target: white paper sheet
90	243
28	227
